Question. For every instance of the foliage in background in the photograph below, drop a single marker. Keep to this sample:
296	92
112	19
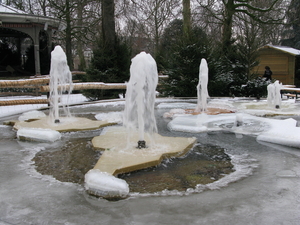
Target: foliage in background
109	67
292	33
177	57
227	73
180	60
255	88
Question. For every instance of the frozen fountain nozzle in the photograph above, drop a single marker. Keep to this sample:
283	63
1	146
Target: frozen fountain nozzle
277	107
57	121
141	144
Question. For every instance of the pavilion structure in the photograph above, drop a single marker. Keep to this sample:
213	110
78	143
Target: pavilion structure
21	25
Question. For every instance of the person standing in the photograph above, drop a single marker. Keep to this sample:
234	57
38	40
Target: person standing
268	73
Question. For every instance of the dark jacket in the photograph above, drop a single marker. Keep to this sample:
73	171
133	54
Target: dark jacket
268	74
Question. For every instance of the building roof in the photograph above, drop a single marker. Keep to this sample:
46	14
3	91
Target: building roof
9	14
285	49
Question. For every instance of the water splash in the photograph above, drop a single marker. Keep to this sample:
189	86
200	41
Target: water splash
140	96
60	82
202	92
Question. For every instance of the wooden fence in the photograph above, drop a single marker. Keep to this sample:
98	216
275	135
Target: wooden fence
40	85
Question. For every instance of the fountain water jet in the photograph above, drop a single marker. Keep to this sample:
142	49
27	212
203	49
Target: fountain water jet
138	120
60	82
274	96
202	92
140	97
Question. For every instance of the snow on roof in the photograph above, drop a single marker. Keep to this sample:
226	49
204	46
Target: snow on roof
9	14
8	9
286	49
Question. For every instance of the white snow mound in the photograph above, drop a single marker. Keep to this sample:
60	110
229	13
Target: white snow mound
283	132
105	185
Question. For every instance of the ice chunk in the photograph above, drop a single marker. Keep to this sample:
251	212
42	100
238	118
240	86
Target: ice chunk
173	113
283	132
105	185
31	115
38	134
111	117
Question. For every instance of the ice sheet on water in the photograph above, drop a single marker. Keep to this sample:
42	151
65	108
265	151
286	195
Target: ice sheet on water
199	123
244	166
6	132
186	124
262	108
38	134
174	113
171	105
221	103
27	164
283	132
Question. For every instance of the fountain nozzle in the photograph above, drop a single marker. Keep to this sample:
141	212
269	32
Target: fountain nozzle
141	144
56	121
277	107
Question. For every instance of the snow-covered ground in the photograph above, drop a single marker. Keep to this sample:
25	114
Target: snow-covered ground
269	192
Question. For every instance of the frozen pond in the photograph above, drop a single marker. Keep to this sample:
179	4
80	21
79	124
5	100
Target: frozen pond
267	193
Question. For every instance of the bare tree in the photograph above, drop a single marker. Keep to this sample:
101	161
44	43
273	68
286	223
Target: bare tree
226	13
147	19
81	20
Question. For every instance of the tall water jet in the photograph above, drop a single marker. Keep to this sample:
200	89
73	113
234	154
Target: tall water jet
274	95
271	94
202	92
140	97
277	99
60	82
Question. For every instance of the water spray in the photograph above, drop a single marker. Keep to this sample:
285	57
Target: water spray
140	97
60	82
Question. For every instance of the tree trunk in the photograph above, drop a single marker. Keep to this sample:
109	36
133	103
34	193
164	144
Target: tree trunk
69	36
108	23
186	14
82	63
227	26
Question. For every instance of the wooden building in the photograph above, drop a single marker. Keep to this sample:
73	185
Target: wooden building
283	61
